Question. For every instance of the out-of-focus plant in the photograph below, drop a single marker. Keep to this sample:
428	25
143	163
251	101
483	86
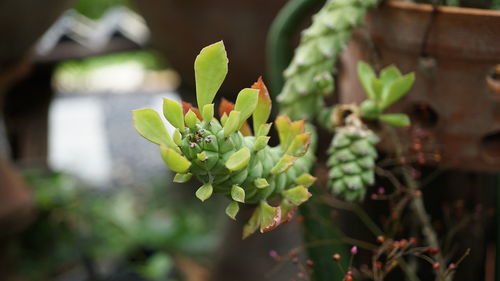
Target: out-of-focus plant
76	225
96	8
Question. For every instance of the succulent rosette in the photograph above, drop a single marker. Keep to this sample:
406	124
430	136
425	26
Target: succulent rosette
227	155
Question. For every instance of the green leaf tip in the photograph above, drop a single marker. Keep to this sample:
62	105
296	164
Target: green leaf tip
232	210
238	160
396	119
204	192
208	112
172	111
210	68
283	164
261	183
297	195
174	160
238	194
149	125
191	119
232	123
246	102
182	178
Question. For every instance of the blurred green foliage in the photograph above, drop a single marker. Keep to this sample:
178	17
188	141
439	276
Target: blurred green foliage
76	223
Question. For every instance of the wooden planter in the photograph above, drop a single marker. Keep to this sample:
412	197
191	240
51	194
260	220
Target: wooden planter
456	96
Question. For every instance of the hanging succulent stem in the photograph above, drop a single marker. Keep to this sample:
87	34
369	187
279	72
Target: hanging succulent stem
224	155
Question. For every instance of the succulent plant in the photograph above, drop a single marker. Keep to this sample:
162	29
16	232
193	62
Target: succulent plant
224	155
352	155
309	77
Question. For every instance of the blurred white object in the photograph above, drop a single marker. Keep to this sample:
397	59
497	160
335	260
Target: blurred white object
77	139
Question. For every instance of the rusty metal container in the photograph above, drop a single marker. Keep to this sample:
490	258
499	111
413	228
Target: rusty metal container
456	96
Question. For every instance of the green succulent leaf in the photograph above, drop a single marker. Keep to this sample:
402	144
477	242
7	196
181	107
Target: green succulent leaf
210	68
208	112
305	179
238	194
174	160
389	74
261	183
396	119
149	124
182	178
264	105
261	142
263	129
238	160
177	137
232	210
246	102
191	119
365	76
232	123
204	192
283	164
369	109
297	195
172	111
396	90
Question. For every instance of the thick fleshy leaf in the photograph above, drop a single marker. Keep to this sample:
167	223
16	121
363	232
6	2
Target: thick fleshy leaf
149	124
305	179
174	160
246	102
204	192
186	106
283	124
297	195
208	112
232	123
232	210
252	224
365	75
182	178
396	90
261	183
283	164
223	119
261	143
299	145
238	194
238	160
264	105
270	217
172	111
177	137
389	74
202	156
210	70
397	120
369	109
263	130
191	119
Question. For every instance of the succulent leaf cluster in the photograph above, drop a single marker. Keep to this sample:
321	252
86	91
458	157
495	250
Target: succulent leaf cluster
384	91
309	77
224	155
352	156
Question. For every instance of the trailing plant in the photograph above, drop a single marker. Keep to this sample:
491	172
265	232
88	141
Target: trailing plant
224	155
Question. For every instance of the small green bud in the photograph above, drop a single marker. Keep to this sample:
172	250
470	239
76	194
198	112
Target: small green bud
232	123
238	194
261	183
204	192
297	195
182	178
177	137
283	164
172	111
202	156
238	160
305	179
191	119
223	119
261	143
208	112
232	210
263	129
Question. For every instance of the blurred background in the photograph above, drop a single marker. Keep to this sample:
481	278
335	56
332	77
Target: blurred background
82	195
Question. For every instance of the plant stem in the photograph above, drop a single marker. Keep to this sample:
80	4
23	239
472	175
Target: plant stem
424	219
